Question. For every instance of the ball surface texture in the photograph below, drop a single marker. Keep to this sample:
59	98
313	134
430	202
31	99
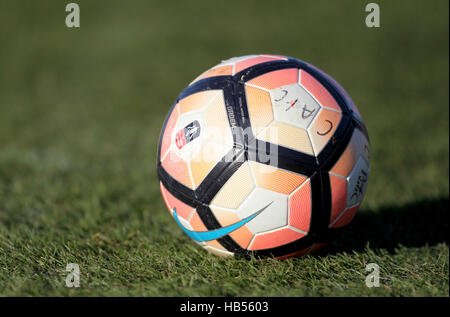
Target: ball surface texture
263	155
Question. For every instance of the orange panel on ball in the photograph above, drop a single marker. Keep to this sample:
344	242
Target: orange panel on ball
167	133
346	217
183	210
197	101
274	239
253	61
217	123
300	207
318	91
201	167
288	136
225	217
338	196
196	223
275	179
259	107
322	128
177	168
236	189
225	70
348	159
276	78
218	140
242	236
215	244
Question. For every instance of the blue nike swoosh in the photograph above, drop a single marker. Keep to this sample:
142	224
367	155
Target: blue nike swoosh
215	234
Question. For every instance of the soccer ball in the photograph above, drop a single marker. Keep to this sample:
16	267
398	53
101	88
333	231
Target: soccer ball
263	155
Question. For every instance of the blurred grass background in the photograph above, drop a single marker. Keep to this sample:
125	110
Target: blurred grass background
80	115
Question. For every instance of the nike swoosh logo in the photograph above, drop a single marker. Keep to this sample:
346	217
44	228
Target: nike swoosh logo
215	234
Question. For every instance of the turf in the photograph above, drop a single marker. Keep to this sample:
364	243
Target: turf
80	115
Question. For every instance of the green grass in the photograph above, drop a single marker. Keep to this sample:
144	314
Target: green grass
80	115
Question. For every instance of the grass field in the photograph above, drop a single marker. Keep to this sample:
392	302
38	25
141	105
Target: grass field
80	115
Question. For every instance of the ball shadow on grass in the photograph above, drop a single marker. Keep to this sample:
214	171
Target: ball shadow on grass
418	224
